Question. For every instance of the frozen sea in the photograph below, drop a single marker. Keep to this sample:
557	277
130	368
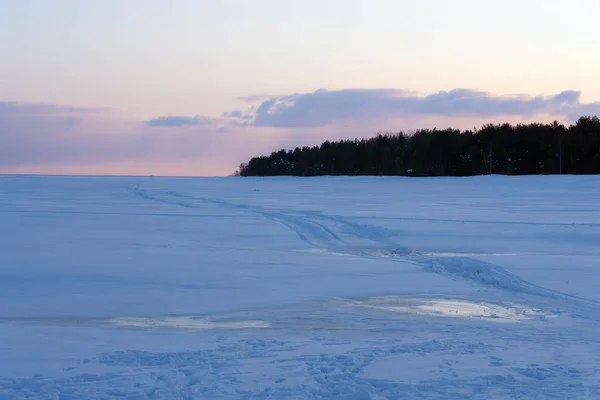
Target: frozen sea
348	288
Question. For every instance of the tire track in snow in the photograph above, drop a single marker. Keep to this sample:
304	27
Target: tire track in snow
462	268
304	224
309	231
467	269
493	276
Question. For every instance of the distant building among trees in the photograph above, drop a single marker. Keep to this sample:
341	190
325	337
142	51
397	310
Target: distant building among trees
522	149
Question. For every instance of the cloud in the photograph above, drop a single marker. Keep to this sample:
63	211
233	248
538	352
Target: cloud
45	138
570	97
176	121
233	114
324	107
239	118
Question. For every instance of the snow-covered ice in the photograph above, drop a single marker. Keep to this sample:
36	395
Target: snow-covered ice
305	288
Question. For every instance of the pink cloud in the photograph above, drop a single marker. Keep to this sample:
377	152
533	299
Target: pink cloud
48	139
58	140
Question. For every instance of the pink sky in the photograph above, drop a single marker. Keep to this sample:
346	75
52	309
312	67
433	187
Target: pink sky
50	139
194	87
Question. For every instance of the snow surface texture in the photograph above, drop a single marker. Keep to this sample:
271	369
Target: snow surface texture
320	288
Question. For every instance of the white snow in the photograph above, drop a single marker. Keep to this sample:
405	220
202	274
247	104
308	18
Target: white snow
318	288
452	308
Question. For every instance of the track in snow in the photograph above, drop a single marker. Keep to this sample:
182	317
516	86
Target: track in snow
446	366
318	229
501	337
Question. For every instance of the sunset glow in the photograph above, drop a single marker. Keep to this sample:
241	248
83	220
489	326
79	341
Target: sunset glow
195	87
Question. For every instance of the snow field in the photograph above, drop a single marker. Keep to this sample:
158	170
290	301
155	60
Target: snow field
321	288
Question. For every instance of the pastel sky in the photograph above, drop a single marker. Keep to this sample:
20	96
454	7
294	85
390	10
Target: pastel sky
195	87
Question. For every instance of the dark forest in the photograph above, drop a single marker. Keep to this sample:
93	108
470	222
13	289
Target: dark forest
522	149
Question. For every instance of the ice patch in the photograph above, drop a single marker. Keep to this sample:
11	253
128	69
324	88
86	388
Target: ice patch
327	252
451	308
186	323
363	252
458	254
397	253
175	322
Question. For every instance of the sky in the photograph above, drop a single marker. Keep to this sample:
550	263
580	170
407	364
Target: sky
196	87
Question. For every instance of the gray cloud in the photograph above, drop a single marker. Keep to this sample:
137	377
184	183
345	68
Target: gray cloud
233	114
177	121
324	107
39	137
567	97
239	118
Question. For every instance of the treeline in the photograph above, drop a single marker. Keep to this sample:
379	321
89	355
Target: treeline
522	149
